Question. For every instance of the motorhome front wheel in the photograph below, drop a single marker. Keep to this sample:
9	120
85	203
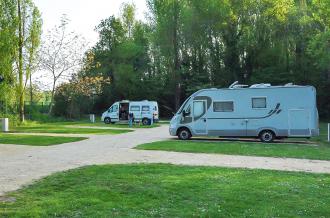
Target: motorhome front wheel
267	136
184	134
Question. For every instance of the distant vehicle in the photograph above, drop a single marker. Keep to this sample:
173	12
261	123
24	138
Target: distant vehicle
261	110
145	111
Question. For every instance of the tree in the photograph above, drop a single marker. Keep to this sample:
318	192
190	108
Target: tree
189	45
33	44
76	97
61	54
29	31
8	27
128	17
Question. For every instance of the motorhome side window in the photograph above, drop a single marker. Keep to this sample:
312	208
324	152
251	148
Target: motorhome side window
259	103
187	111
199	108
135	108
145	108
115	108
223	106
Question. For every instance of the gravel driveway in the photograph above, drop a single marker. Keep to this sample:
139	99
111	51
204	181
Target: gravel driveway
20	165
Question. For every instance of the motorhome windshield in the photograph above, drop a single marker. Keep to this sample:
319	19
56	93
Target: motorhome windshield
183	106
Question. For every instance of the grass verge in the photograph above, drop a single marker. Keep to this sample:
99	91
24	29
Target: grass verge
117	125
319	150
171	191
243	148
63	129
36	140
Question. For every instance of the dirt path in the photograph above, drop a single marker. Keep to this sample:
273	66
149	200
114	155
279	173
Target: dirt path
20	165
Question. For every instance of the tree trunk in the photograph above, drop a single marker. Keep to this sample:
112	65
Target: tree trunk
20	63
176	73
52	98
31	90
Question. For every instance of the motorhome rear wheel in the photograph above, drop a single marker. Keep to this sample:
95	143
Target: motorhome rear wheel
146	121
267	136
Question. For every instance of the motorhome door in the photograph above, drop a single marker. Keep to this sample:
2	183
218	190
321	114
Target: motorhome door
199	116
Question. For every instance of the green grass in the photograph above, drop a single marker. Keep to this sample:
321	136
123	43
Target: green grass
172	191
89	124
243	148
117	125
36	140
319	149
33	127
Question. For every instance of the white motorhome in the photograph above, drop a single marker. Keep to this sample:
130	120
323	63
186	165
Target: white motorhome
261	110
145	111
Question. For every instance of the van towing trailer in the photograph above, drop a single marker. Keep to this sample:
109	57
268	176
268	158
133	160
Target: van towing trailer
260	110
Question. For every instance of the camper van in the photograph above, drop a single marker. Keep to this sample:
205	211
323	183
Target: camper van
261	110
145	111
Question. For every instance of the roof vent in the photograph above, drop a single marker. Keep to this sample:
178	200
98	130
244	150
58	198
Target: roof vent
232	85
261	85
236	85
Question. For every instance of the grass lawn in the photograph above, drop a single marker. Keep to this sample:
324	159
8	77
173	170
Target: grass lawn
117	125
87	123
61	128
171	191
320	150
243	148
36	140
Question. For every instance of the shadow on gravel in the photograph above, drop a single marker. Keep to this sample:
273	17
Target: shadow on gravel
252	140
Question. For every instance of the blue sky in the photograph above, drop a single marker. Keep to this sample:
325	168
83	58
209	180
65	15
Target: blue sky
84	14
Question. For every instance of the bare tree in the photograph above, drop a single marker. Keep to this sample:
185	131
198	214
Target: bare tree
61	54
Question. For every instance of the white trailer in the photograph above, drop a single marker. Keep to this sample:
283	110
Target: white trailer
261	110
145	111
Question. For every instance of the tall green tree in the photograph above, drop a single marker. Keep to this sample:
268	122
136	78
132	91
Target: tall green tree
29	31
8	39
188	45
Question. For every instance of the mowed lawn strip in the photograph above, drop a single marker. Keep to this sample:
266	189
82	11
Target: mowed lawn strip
102	124
36	140
290	150
55	128
171	191
117	125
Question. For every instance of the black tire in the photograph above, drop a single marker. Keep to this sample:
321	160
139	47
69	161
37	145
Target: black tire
145	121
107	120
184	134
267	136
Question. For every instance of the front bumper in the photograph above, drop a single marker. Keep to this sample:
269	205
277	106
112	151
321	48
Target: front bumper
172	131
